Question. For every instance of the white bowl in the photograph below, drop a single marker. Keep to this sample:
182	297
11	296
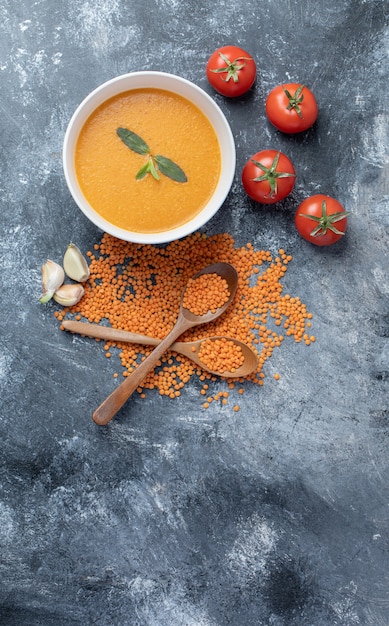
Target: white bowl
169	82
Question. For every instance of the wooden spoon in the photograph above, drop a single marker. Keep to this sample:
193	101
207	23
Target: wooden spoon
189	349
111	405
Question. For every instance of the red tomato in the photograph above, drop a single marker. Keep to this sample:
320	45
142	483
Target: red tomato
268	177
321	220
231	71
292	108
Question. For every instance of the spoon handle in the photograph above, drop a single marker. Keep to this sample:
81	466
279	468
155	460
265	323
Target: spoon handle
108	334
111	405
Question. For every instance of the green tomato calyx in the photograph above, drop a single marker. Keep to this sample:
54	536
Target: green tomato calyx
326	222
232	68
271	175
295	101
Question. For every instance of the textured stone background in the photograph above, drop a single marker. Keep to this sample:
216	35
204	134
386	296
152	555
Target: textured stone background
172	515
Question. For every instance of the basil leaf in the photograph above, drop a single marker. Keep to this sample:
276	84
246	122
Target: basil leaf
148	168
170	169
133	141
144	170
153	169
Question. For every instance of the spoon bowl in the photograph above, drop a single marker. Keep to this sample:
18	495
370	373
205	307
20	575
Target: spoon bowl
186	319
230	275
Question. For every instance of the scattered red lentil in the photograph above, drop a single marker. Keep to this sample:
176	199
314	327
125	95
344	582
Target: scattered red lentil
138	288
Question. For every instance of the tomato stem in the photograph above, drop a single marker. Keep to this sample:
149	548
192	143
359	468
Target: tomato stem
232	67
271	175
326	222
296	100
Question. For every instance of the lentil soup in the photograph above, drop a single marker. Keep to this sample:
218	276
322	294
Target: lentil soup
171	126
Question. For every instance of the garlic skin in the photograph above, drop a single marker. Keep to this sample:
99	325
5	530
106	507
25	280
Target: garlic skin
53	276
75	264
69	294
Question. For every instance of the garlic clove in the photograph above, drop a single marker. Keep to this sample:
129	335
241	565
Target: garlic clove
75	264
52	278
69	294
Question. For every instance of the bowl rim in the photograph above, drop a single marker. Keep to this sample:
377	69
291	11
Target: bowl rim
175	84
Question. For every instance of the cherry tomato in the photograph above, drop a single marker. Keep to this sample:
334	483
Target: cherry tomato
231	71
268	177
292	108
321	220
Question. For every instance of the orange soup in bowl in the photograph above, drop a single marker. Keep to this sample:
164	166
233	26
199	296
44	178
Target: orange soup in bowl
147	160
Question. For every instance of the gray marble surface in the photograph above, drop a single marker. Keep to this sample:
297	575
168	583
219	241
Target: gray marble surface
172	515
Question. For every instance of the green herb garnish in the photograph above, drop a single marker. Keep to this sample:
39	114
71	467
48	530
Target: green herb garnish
154	164
133	141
